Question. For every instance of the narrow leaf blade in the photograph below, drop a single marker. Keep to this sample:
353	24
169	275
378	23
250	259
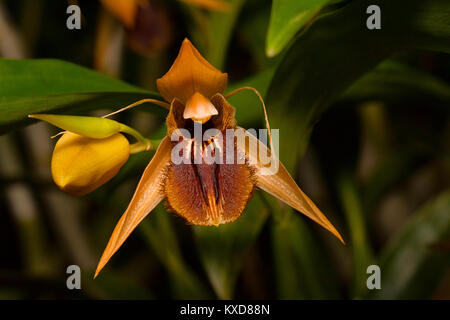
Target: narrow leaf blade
145	199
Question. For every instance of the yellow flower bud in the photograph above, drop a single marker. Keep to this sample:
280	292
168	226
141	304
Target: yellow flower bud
80	164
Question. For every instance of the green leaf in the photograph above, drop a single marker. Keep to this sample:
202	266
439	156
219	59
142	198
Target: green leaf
220	31
413	262
286	19
54	86
302	270
160	235
253	33
395	81
115	286
310	78
393	168
222	250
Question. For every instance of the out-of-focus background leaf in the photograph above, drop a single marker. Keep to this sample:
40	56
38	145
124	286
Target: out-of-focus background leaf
186	283
220	32
310	79
223	250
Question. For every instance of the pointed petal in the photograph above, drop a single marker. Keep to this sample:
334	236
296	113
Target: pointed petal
191	73
282	186
147	195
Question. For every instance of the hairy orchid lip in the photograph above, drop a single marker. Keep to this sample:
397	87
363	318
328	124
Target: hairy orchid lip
208	193
198	108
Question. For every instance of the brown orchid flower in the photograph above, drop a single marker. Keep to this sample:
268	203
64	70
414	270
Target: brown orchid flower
205	193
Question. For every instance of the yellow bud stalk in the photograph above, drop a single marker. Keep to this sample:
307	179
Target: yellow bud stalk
81	164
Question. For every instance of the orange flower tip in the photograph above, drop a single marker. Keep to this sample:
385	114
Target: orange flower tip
200	109
63	183
336	233
100	267
340	238
191	73
327	225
